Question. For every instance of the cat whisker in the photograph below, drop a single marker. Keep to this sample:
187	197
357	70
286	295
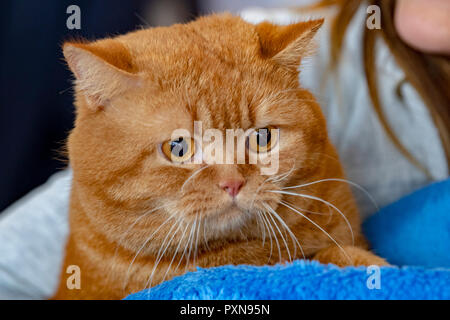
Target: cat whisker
275	178
315	212
287	205
131	227
257	192
175	253
205	239
185	248
338	180
320	200
143	246
274	234
189	243
261	227
268	231
161	251
293	237
283	176
192	176
279	231
127	232
145	22
196	241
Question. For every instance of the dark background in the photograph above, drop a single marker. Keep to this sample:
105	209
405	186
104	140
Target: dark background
36	111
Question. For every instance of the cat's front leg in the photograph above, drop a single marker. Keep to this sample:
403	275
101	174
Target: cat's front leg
252	252
348	256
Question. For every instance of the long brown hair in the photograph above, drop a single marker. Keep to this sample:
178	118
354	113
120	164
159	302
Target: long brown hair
429	74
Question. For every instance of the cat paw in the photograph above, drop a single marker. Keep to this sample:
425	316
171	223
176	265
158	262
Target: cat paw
348	256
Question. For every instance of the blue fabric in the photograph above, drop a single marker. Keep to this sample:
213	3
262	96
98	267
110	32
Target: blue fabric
301	280
413	231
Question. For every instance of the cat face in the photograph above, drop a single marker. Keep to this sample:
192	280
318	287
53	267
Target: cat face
139	98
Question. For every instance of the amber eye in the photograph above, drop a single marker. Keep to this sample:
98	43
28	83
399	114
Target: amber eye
263	139
179	150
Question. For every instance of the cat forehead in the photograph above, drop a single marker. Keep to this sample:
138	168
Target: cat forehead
224	37
180	108
210	70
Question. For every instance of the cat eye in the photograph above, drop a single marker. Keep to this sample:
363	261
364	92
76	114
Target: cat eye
263	139
179	150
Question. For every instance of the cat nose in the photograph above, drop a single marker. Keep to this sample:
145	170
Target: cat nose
232	186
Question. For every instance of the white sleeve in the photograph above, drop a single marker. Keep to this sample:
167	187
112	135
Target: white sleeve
33	234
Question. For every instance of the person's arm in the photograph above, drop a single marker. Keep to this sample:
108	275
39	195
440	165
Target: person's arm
33	233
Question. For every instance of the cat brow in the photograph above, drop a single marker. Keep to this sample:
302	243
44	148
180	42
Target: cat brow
276	109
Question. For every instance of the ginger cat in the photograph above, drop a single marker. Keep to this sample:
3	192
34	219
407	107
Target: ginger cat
140	213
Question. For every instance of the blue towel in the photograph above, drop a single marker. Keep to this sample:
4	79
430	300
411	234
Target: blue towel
413	231
303	280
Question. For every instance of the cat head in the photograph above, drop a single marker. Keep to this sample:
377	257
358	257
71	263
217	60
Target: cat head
132	173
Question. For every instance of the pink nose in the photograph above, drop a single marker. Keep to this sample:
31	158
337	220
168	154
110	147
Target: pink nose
232	186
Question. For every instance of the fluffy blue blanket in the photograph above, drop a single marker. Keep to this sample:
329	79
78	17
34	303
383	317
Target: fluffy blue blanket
303	280
414	231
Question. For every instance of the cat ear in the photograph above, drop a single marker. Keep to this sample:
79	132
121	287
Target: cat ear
289	43
102	70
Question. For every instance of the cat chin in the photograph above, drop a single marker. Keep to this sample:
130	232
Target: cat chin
237	214
225	218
